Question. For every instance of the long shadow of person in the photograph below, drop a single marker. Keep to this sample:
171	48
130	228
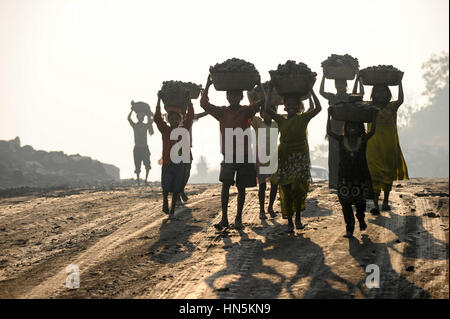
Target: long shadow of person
245	275
391	284
311	277
173	244
314	209
276	268
411	230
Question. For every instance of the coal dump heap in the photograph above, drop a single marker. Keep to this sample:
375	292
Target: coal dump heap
22	166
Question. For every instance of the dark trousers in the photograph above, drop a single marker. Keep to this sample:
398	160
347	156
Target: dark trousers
347	209
187	173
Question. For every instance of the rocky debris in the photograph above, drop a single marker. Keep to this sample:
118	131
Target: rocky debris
381	67
174	94
410	268
291	67
293	78
233	65
431	215
336	60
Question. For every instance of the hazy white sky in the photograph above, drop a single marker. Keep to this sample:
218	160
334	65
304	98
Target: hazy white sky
69	68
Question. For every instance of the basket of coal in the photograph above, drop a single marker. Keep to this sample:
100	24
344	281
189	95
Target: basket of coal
194	89
381	75
174	95
140	107
257	94
234	75
293	78
352	112
340	67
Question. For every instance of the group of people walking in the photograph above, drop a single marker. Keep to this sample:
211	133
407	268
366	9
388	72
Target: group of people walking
361	163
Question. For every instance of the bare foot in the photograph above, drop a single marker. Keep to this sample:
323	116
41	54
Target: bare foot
146	183
299	225
348	234
238	224
262	215
272	213
290	227
362	224
165	208
222	224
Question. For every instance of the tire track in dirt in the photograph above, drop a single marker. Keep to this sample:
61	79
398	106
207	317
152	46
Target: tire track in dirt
39	260
109	247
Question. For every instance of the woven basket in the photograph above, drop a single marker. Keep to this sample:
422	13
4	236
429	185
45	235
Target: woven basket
292	84
381	77
350	112
343	72
178	98
194	92
230	81
256	95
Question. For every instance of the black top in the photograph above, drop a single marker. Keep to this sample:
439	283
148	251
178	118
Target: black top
353	164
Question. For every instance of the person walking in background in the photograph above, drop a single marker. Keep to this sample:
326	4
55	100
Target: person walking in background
336	126
141	153
265	123
233	116
354	183
384	155
172	174
293	175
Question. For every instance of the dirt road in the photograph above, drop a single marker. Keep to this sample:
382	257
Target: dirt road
124	246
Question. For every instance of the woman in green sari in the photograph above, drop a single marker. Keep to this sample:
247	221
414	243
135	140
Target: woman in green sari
293	175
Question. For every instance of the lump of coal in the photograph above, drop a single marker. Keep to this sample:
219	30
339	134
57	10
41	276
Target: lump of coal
233	65
336	60
291	67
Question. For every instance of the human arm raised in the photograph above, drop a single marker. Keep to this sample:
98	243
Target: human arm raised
211	109
159	121
322	92
400	96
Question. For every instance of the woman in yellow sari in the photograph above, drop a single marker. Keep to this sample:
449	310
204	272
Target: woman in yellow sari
293	175
384	155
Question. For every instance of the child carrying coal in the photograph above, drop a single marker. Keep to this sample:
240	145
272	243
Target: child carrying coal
354	182
141	153
234	116
172	174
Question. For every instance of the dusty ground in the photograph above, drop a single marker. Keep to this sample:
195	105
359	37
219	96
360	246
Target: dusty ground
125	247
